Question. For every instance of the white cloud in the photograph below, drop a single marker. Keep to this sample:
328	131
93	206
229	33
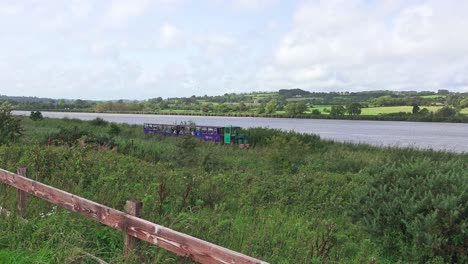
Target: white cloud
216	43
120	11
149	48
341	44
8	10
169	36
252	4
81	8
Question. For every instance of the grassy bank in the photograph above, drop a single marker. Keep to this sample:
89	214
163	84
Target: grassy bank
280	201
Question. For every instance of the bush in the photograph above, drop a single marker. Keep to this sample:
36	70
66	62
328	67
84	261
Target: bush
67	136
262	136
418	210
98	122
114	130
10	127
287	154
445	111
36	116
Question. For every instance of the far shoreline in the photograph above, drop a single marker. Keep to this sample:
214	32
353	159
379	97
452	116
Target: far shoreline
404	117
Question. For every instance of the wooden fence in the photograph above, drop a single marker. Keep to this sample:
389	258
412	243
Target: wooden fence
128	223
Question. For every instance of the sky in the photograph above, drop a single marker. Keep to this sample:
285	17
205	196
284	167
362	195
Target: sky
141	49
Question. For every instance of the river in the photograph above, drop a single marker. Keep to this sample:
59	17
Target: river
439	136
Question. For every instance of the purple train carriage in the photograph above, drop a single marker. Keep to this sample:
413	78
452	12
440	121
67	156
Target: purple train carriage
229	135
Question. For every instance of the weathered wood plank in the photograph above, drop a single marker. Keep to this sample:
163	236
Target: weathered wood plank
176	242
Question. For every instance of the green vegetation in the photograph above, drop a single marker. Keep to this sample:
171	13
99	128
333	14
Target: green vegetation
292	198
394	109
293	103
10	127
36	116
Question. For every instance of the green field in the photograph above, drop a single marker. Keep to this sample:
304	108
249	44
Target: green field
321	108
433	96
394	109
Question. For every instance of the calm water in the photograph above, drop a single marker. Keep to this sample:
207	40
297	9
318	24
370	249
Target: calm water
439	136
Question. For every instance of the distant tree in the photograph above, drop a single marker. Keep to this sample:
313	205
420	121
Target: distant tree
443	92
207	108
385	100
454	100
280	106
445	111
158	99
316	112
424	112
464	103
261	109
337	111
241	107
415	109
164	105
80	103
271	106
221	108
10	127
354	109
295	108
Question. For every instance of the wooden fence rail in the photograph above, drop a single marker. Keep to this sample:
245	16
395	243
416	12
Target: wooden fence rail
176	242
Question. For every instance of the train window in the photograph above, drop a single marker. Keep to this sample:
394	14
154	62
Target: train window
228	130
203	130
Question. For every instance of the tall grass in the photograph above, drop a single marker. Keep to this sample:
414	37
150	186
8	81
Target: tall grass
275	201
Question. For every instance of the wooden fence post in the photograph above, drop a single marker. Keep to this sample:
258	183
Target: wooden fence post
22	196
132	207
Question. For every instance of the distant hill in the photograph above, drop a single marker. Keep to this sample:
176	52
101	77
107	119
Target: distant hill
20	99
288	93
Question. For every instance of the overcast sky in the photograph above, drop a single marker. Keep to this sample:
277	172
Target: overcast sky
140	49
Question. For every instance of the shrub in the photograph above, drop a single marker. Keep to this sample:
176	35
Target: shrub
10	127
287	155
418	210
67	136
262	136
98	122
114	130
445	111
36	116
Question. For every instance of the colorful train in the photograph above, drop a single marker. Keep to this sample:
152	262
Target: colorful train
229	135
